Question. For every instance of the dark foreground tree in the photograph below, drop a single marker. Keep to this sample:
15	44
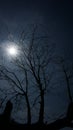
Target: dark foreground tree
5	117
35	59
19	89
32	62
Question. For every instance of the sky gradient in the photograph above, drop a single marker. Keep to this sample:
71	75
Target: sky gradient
55	15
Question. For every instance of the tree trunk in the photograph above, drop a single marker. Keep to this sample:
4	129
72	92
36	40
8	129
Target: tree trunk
41	112
28	111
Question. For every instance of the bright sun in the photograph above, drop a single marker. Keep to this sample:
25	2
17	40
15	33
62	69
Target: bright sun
12	50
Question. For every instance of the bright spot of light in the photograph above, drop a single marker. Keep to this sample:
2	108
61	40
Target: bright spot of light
12	51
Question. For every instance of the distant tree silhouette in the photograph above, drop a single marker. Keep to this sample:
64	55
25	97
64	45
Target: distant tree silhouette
67	72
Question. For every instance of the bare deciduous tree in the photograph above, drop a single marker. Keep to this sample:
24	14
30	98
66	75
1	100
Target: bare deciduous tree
33	61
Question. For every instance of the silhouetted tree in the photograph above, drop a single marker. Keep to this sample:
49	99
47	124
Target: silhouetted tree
36	59
68	73
66	69
5	117
17	85
33	61
70	112
7	111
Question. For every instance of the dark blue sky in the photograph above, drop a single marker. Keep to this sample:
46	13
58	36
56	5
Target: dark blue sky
57	15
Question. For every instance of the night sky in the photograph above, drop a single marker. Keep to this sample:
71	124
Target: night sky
55	15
